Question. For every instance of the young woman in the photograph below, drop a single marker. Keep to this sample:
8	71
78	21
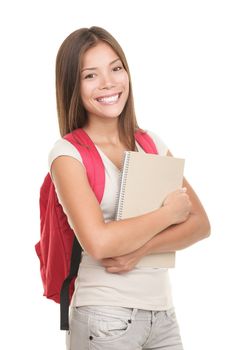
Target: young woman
116	305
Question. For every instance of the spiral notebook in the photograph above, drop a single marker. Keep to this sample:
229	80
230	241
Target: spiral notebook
145	181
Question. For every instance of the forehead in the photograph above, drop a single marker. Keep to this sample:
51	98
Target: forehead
98	55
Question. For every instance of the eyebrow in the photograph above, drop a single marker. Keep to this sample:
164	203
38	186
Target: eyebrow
93	68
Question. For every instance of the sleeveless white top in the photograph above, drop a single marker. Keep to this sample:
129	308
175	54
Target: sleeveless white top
143	287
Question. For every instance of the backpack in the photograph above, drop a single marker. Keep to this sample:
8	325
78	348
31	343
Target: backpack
58	250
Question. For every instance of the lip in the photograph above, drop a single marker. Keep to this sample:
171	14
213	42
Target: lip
114	94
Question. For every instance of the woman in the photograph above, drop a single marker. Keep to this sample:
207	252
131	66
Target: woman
116	305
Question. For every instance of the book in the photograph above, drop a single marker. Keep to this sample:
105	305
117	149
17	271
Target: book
145	181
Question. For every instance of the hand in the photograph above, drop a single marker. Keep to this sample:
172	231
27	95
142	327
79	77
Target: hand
123	263
179	205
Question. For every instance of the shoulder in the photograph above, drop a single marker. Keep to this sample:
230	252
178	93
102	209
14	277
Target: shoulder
62	147
160	144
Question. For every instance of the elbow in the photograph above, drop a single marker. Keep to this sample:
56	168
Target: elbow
207	230
101	250
96	249
201	228
92	242
96	253
97	243
102	246
204	228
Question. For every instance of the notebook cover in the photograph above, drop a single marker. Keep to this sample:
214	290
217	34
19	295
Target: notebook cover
146	180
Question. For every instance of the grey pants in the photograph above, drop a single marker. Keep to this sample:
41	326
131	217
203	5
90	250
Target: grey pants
113	328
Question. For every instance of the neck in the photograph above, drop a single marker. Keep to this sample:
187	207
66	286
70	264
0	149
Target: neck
103	131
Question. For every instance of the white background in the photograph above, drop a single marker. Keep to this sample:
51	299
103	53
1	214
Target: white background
179	56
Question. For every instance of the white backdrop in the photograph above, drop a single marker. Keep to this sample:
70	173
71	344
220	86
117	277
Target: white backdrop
179	55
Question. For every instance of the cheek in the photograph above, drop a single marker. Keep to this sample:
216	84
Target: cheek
86	96
126	81
85	92
126	84
122	78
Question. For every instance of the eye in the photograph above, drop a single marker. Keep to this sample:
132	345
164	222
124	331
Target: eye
118	68
89	76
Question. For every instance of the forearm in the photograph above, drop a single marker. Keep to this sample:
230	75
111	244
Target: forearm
174	238
124	236
178	237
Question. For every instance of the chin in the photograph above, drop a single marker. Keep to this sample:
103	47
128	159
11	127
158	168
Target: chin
113	113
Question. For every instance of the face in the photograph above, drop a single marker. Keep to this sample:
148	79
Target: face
104	83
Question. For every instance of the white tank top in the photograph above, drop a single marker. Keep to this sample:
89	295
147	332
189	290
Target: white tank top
142	287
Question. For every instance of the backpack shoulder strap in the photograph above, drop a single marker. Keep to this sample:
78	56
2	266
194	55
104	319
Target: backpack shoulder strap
91	160
146	142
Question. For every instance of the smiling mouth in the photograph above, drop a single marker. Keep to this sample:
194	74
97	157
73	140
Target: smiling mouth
109	99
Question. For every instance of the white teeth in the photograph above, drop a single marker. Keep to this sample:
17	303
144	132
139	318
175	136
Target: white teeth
109	99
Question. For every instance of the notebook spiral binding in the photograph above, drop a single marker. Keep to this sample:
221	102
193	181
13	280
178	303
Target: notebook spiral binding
122	182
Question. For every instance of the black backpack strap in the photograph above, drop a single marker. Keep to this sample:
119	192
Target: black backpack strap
64	293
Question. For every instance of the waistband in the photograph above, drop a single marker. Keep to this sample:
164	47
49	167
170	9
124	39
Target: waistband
122	312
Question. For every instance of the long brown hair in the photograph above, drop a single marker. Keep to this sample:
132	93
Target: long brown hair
71	112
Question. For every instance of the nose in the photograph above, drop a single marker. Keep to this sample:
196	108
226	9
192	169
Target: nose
106	81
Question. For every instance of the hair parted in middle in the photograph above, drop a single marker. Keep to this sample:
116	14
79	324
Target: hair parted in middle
71	112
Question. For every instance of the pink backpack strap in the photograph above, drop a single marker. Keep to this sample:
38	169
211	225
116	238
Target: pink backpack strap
91	160
146	142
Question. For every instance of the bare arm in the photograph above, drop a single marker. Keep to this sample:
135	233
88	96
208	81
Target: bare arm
175	237
100	239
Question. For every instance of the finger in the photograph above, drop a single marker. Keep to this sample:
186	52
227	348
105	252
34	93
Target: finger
107	262
183	189
112	269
